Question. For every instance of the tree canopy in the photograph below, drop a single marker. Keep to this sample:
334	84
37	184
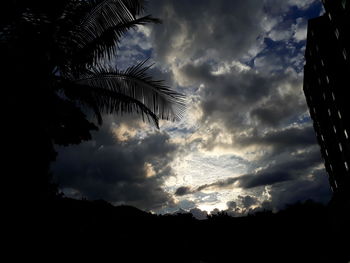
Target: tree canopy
52	61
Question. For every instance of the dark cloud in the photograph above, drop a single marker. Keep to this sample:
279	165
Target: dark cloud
279	109
130	172
281	139
219	29
315	187
183	190
215	211
219	184
264	178
248	201
283	168
231	205
236	99
199	214
192	29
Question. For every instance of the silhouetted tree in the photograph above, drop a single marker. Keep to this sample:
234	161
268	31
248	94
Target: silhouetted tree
52	61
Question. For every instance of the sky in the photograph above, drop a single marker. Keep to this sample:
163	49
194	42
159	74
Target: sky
246	141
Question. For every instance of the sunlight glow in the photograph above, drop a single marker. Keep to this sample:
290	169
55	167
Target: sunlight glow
149	170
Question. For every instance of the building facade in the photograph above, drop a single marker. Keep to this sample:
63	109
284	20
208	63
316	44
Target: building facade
327	88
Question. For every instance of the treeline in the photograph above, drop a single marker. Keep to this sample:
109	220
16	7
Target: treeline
303	232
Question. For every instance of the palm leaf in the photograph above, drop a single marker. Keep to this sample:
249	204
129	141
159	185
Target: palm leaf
104	15
136	7
135	84
106	45
111	102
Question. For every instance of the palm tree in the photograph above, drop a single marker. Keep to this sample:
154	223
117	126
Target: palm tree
52	54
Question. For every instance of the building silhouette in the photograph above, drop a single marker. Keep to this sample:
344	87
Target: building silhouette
327	89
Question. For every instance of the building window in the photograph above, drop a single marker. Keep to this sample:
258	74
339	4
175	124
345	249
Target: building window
346	134
333	97
336	33
339	115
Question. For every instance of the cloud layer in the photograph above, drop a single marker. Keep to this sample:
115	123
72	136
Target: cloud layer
118	166
240	64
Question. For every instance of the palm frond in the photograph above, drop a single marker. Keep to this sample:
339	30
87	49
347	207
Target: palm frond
108	102
104	15
135	84
136	7
106	45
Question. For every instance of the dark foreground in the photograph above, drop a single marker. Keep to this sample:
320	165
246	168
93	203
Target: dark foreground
95	230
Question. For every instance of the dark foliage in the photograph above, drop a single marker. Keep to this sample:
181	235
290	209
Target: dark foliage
51	54
303	232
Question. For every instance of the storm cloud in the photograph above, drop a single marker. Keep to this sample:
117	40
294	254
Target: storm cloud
118	167
198	29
